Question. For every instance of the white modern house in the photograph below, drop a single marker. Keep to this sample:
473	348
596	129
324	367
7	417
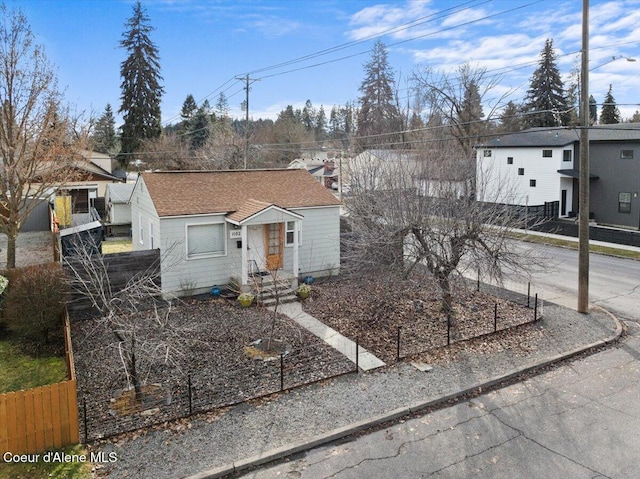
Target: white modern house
541	165
222	227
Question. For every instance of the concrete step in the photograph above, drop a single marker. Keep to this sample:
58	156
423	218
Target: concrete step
284	299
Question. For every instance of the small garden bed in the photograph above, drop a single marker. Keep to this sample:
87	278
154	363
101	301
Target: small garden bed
372	307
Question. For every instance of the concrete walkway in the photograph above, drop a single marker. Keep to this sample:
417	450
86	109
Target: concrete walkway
366	361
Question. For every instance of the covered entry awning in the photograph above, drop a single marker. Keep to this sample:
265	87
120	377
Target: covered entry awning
576	174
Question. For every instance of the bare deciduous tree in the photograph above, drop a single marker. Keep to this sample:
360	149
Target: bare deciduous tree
422	215
38	148
136	313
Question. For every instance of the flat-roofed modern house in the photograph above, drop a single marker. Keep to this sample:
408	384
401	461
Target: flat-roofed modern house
222	227
541	165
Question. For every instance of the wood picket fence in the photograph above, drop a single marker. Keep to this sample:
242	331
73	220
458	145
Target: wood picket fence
42	418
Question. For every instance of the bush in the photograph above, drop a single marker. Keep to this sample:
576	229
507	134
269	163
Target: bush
34	302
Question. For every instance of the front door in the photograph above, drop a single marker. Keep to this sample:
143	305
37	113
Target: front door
274	245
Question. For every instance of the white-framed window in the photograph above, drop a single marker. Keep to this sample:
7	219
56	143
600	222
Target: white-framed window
141	225
151	234
547	153
626	154
566	155
509	160
520	171
487	153
624	202
532	183
206	240
290	233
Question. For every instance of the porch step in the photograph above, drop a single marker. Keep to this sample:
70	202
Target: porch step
289	297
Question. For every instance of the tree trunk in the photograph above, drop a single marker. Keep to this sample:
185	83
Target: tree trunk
446	299
12	235
133	371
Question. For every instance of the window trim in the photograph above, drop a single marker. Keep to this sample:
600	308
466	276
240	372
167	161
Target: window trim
288	244
197	256
520	171
626	209
486	153
509	160
532	183
547	153
141	228
628	156
564	155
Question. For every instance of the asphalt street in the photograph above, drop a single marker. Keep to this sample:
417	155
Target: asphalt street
579	420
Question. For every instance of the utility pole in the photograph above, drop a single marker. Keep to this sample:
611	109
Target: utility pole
248	82
583	192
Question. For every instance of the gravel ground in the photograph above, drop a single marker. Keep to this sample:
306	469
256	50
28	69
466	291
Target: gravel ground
32	247
200	443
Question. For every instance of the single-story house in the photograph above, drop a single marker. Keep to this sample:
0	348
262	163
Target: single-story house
541	165
118	208
227	227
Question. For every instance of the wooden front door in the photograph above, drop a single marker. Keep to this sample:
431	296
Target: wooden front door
274	245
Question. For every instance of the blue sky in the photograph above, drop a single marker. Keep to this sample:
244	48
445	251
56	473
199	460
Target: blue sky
205	44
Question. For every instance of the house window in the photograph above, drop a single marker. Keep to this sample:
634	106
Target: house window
532	183
141	229
291	232
566	155
151	235
487	153
624	202
626	154
520	171
206	240
547	153
510	160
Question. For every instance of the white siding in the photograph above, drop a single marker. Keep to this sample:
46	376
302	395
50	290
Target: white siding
179	272
319	252
143	212
499	182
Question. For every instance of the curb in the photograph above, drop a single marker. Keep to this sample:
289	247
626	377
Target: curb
359	426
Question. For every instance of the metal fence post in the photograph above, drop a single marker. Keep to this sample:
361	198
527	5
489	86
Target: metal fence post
398	344
528	293
448	331
478	284
281	372
495	317
357	355
535	309
189	391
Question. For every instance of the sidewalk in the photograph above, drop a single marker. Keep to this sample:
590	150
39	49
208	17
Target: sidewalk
259	431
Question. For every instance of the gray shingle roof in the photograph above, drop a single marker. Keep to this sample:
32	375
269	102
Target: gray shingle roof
120	192
562	136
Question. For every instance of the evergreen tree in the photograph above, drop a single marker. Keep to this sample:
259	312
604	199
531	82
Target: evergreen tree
222	105
104	136
309	116
189	108
321	124
609	115
593	110
141	88
510	118
378	113
200	126
470	114
546	103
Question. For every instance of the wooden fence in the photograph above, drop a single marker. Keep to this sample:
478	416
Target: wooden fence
41	418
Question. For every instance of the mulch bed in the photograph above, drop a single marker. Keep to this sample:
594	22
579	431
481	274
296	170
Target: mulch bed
215	334
372	306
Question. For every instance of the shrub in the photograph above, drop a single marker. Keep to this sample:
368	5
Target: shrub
34	302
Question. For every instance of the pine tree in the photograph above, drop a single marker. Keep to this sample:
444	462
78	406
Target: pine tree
189	108
609	115
321	124
378	115
593	110
222	105
141	88
104	136
309	116
510	118
546	103
200	126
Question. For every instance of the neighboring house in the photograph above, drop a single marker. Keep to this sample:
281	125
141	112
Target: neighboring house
383	169
117	198
541	165
82	200
323	171
222	227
